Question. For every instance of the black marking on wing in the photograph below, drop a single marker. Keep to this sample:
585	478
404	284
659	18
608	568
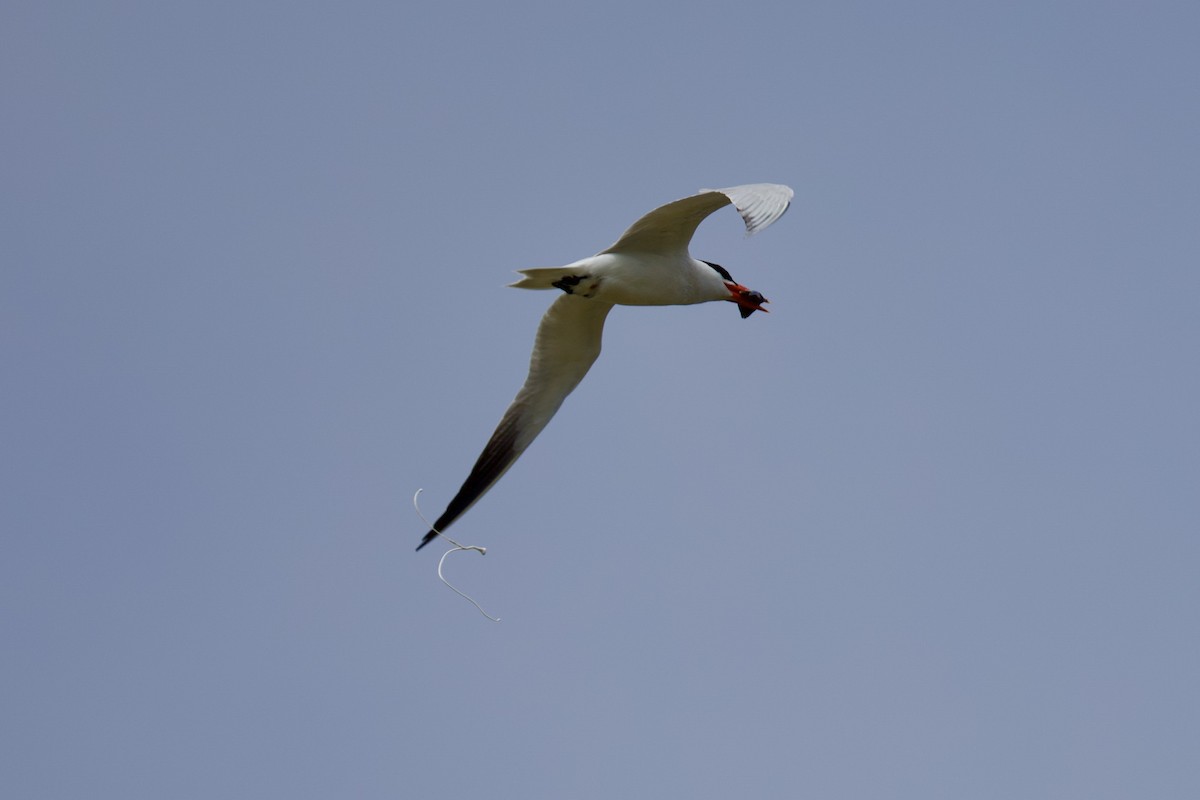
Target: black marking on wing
568	282
494	461
565	347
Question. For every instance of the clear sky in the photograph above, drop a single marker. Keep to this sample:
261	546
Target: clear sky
926	530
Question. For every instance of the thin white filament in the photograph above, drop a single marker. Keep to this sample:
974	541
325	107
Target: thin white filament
481	550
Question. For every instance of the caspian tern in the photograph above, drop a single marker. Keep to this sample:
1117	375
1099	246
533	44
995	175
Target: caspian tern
648	266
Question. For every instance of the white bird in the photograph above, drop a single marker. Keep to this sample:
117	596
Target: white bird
648	266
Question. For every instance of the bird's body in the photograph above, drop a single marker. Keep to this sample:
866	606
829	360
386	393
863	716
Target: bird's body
632	279
648	266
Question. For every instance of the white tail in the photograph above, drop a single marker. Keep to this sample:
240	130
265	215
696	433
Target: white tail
539	278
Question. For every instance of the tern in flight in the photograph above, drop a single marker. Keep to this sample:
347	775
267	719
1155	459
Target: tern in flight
648	266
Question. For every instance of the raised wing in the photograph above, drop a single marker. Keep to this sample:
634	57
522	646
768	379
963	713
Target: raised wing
566	346
670	228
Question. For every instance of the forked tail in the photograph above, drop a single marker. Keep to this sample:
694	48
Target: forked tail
540	278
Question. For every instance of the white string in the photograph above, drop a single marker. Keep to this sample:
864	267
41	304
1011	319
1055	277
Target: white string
481	550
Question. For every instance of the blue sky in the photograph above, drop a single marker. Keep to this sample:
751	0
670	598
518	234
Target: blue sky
926	530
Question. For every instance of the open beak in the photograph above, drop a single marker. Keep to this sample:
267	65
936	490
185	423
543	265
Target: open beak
748	300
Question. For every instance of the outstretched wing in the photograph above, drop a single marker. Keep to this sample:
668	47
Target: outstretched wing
669	228
566	346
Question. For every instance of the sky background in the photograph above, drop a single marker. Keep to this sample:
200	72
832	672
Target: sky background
927	530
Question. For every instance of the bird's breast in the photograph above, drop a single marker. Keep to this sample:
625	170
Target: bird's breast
633	280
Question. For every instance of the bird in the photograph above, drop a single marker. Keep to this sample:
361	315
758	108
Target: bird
648	266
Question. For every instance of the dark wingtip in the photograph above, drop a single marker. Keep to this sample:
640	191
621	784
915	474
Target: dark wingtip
429	537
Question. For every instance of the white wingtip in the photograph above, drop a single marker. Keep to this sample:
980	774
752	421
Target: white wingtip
760	204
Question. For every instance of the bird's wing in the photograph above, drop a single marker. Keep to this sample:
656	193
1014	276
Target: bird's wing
566	346
669	228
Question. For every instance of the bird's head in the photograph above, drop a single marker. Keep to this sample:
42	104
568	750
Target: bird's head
748	300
